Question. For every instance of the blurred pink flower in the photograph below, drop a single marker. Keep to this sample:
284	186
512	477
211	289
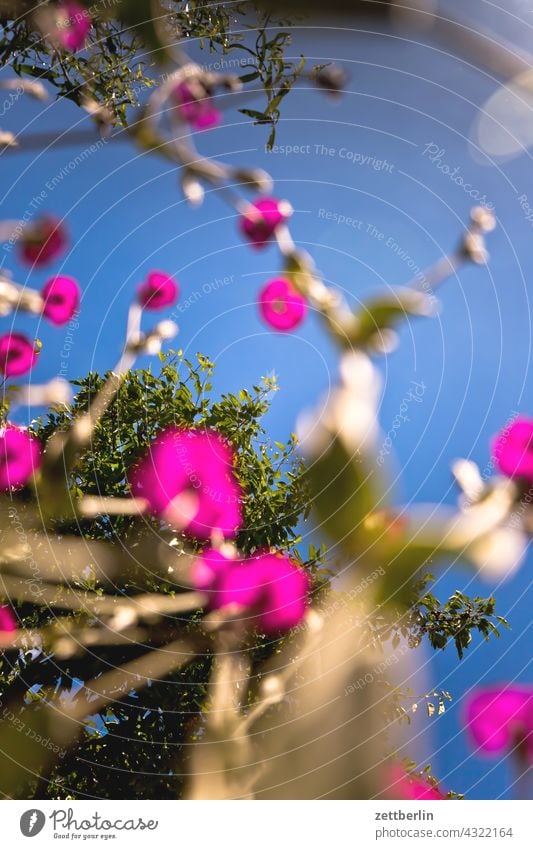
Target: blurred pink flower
272	589
512	449
61	297
20	457
500	718
72	25
17	354
8	623
159	290
208	566
43	240
261	219
195	106
411	787
281	306
187	478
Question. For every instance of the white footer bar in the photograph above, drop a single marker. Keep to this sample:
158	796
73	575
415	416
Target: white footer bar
268	825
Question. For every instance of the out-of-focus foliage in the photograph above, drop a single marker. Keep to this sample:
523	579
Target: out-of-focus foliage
128	39
146	732
272	475
149	740
455	620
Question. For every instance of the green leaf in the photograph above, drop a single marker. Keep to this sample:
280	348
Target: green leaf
248	78
261	117
384	311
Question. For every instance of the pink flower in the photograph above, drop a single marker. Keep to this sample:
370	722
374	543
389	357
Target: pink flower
187	478
512	450
195	106
272	589
72	25
43	240
208	566
8	623
261	219
17	354
501	718
411	787
158	291
61	296
281	306
20	457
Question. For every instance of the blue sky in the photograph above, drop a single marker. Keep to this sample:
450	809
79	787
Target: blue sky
405	100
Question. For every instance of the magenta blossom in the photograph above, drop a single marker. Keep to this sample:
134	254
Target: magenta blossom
195	106
43	240
20	457
270	587
187	478
208	567
500	718
411	787
512	449
261	219
61	296
8	623
17	354
281	306
72	25
159	290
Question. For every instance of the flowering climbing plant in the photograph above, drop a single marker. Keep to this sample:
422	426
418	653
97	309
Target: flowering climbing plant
153	572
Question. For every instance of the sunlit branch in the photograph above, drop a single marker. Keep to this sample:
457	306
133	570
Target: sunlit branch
273	686
153	666
130	608
471	249
91	506
13	296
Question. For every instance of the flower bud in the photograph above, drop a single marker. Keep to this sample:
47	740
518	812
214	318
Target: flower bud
61	299
43	240
158	291
261	219
281	306
192	189
17	354
331	78
20	457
